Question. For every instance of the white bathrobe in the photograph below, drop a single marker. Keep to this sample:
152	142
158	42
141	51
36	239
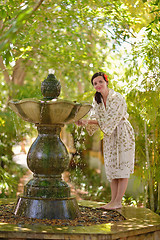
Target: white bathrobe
119	141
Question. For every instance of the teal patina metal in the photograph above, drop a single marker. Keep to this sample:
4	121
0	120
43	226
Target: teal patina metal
46	195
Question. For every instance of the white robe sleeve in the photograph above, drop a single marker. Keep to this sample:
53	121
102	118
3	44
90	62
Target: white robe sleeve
92	128
109	117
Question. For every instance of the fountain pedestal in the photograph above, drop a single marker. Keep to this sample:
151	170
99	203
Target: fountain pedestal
47	195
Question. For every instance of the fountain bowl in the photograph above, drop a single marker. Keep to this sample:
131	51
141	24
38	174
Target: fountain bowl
50	112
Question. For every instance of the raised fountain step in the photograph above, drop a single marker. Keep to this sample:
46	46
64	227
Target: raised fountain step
140	224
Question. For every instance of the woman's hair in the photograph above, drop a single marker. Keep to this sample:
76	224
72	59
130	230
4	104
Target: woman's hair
98	95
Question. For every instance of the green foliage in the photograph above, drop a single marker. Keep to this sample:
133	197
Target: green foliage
143	105
90	184
73	43
14	15
10	174
9	171
26	91
12	130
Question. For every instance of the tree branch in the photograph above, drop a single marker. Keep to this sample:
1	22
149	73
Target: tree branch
4	71
1	24
119	37
37	6
14	20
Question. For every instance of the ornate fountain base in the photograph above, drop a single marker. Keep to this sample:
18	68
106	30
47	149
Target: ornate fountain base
47	208
47	195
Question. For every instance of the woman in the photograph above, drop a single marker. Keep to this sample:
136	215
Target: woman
109	112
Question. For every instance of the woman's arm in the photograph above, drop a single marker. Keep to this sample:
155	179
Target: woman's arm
83	122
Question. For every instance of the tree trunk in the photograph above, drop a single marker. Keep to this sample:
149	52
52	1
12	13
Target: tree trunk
18	72
158	205
4	71
150	181
145	193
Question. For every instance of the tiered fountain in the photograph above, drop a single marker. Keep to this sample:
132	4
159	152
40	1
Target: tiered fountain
47	195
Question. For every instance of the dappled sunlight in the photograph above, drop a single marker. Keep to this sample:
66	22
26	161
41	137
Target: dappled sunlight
106	227
12	227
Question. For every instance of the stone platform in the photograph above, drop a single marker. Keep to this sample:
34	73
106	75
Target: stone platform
140	224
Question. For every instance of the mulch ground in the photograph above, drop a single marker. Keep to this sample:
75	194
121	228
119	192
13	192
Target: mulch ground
89	216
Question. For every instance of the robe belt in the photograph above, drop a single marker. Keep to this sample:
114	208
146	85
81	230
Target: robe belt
118	158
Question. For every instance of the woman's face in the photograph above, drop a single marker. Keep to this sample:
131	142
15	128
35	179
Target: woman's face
100	84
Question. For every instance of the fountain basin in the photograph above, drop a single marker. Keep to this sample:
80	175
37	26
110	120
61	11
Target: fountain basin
49	112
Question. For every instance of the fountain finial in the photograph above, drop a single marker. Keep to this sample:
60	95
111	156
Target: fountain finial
50	87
